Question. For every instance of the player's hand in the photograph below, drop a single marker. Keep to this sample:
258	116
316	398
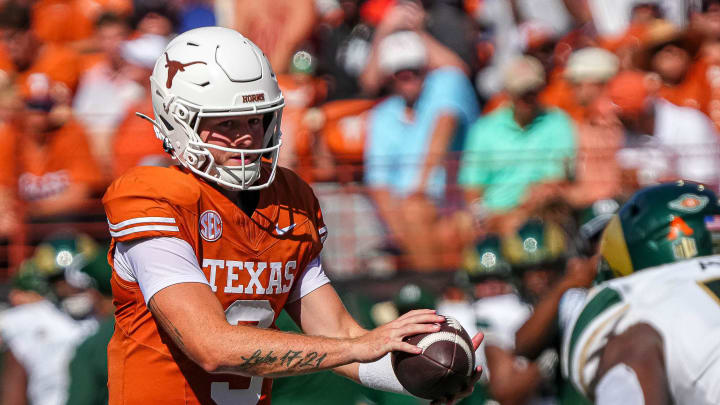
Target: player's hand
474	378
389	337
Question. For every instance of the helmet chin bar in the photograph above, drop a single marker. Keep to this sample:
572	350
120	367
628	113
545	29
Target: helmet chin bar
235	178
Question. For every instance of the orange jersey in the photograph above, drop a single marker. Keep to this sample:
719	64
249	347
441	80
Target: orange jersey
251	264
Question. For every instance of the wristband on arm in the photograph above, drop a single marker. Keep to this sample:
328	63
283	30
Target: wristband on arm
380	375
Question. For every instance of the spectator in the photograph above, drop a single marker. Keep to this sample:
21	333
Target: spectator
588	70
106	90
154	17
404	16
410	134
343	48
134	143
302	92
28	55
670	53
50	20
518	156
600	136
46	158
612	18
278	27
706	22
662	140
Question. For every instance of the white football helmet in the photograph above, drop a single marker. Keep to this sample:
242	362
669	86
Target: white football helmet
215	72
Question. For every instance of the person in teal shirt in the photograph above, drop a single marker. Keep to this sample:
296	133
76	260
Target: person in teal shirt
518	147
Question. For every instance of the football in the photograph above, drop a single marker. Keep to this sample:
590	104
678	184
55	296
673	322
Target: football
444	366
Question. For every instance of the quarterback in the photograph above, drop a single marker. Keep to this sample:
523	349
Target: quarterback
653	336
207	254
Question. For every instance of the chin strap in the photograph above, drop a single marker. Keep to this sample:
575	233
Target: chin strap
159	132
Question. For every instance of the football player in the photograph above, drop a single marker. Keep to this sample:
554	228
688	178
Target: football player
206	255
43	327
652	336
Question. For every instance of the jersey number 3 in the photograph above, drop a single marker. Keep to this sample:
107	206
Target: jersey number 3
259	312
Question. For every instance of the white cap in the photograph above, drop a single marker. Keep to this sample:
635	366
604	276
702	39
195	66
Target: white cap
523	74
145	50
402	50
591	64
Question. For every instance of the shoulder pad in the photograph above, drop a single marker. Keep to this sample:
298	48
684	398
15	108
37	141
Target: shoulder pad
151	201
160	183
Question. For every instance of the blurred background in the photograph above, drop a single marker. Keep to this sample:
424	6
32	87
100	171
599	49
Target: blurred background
466	155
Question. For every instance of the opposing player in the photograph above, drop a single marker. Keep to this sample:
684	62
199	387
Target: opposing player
653	336
206	255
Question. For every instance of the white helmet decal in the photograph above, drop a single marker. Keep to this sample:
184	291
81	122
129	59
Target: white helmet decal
216	72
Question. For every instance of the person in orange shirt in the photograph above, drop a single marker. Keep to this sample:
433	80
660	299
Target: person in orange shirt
29	55
50	20
278	27
206	255
302	92
670	52
46	159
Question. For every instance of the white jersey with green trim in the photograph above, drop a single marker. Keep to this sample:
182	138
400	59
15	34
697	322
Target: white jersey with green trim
681	301
43	339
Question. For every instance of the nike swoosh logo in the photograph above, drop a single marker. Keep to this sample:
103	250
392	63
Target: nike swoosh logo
283	231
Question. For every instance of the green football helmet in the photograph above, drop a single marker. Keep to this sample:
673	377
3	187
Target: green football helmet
28	278
537	244
483	261
660	224
75	257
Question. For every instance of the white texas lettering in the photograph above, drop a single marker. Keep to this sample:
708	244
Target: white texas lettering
275	283
214	264
254	277
291	265
232	276
278	281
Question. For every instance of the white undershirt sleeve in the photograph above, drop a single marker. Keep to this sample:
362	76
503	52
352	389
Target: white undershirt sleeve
156	263
160	262
310	280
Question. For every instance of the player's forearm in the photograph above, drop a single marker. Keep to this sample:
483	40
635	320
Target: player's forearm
218	346
270	353
533	336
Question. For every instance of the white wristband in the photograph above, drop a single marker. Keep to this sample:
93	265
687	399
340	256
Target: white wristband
380	375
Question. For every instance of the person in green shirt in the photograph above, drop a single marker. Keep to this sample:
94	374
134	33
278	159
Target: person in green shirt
521	155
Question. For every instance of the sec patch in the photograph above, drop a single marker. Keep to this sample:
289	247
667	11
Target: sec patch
210	226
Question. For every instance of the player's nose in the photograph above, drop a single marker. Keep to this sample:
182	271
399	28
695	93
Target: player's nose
243	140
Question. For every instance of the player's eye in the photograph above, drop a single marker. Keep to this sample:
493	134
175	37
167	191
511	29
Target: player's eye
227	124
254	122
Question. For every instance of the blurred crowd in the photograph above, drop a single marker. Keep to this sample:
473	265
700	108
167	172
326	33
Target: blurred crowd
488	140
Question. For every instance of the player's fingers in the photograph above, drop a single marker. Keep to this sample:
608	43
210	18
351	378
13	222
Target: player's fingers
477	339
406	347
422	318
416	328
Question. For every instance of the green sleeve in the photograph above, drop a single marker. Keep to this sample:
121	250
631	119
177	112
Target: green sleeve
84	387
563	132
